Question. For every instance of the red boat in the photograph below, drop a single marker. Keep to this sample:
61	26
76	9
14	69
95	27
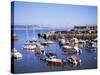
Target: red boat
56	62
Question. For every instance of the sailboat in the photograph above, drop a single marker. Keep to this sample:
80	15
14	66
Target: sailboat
29	44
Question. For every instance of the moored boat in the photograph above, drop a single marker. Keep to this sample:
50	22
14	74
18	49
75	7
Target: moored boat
75	40
56	62
70	50
29	45
91	46
51	55
46	42
73	60
82	43
50	42
15	54
52	60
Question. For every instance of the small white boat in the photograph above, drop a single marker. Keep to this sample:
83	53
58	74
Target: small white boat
14	50
67	47
29	47
46	43
74	40
94	44
82	43
25	47
16	54
77	49
49	42
91	46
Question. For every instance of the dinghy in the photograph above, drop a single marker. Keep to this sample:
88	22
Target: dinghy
73	60
15	54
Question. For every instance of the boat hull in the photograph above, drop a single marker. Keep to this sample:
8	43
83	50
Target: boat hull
56	63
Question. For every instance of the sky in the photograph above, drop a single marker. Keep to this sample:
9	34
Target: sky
53	15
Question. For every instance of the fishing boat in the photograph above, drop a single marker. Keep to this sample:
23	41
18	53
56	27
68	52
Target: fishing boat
56	62
51	55
15	54
52	60
70	50
73	60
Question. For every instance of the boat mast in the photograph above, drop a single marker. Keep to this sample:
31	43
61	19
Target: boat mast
27	32
33	31
34	34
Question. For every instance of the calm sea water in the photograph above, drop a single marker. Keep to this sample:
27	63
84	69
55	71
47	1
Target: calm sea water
32	63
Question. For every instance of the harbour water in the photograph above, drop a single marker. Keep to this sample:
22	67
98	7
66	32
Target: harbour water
32	63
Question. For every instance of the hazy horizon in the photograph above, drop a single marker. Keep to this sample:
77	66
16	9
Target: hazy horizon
53	15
